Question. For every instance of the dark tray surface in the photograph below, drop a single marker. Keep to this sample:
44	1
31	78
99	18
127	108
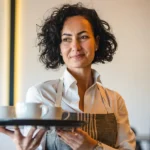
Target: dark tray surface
40	122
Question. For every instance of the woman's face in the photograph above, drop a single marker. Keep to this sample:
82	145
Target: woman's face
78	44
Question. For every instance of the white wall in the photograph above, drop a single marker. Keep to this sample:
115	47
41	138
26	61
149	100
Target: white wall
128	73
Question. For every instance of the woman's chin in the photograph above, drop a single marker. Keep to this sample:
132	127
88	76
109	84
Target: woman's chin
79	66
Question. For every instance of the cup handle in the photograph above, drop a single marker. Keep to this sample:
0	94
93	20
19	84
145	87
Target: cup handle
45	110
67	115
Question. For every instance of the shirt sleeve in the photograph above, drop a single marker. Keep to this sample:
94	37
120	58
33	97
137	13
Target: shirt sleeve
125	137
33	95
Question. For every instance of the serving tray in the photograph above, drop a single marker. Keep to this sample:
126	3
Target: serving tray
42	122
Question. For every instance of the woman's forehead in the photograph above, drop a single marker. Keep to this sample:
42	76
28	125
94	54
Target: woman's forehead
76	24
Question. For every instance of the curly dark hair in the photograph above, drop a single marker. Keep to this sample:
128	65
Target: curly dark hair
50	35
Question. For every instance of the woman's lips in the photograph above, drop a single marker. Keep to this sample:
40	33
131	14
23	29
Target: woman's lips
77	56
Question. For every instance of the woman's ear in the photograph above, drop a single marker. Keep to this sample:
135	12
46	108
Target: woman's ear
97	42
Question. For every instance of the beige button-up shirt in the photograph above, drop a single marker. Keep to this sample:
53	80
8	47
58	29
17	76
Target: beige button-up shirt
46	93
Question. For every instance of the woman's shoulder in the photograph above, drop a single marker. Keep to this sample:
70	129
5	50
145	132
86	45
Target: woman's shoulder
114	97
43	92
113	93
109	91
46	85
116	101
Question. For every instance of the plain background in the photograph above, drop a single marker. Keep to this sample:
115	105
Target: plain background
128	73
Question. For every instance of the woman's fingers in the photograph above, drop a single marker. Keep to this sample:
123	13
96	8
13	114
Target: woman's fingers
17	132
6	131
37	138
67	142
69	137
79	131
31	132
74	134
27	142
77	139
2	129
17	136
39	135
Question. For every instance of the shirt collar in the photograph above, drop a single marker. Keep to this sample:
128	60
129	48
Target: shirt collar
96	76
69	79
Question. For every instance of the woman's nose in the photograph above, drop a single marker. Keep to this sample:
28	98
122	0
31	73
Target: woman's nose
76	45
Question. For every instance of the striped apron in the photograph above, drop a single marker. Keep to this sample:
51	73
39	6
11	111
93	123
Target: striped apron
101	127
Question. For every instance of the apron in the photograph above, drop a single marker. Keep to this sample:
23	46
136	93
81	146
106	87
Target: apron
101	127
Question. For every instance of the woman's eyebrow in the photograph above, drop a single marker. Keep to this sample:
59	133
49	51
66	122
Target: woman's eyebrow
68	34
82	32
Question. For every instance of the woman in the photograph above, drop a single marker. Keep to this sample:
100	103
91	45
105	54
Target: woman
75	36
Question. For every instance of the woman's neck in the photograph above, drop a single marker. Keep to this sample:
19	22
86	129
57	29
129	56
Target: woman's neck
84	77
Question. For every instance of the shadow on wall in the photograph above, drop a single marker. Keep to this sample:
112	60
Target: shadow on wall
138	142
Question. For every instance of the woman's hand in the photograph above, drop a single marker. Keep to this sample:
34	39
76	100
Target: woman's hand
25	143
78	140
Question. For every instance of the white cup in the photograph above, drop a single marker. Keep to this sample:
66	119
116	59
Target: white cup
55	113
25	110
7	112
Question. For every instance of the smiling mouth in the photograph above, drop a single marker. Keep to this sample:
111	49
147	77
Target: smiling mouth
77	56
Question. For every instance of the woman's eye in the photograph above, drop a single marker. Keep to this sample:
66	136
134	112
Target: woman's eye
66	40
84	37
